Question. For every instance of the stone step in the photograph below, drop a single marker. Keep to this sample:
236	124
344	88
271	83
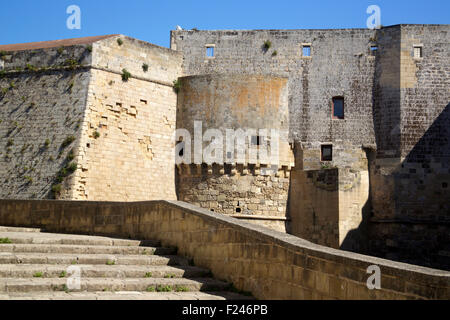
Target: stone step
8	285
52	238
101	259
85	249
100	271
124	295
40	266
15	229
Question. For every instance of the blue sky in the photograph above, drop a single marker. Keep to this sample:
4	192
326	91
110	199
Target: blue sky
151	20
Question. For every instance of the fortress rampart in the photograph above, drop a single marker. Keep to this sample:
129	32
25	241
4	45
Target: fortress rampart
364	165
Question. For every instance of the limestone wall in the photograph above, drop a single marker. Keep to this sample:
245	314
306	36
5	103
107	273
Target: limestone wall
71	124
330	207
410	178
269	264
249	196
246	187
314	206
41	113
340	65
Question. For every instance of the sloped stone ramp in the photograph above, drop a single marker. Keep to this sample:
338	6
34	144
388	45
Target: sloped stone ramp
40	266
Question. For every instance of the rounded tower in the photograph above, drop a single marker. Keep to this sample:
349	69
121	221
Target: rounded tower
233	154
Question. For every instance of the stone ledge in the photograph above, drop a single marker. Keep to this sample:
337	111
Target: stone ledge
258	217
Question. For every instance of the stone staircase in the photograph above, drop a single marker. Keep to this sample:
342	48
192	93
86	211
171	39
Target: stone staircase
44	266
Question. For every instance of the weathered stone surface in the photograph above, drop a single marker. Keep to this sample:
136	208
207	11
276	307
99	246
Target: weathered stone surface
40	271
269	264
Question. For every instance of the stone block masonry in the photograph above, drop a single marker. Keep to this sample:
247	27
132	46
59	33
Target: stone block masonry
99	114
127	146
393	135
120	130
40	113
269	264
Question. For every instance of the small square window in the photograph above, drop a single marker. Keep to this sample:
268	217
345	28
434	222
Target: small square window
338	108
306	51
418	52
373	50
327	152
256	140
210	52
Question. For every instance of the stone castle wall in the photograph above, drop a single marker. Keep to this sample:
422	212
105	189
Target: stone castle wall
395	126
71	128
269	264
410	178
340	65
245	187
42	103
127	145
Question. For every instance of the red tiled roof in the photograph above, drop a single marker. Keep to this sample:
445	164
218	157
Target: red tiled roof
53	44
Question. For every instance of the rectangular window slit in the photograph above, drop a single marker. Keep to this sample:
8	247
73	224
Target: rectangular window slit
338	108
306	51
327	152
418	52
210	52
373	50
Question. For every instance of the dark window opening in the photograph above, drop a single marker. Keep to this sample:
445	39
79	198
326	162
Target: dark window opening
238	210
182	145
338	108
327	152
256	140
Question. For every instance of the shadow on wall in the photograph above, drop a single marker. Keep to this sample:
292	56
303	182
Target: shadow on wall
357	240
434	146
418	230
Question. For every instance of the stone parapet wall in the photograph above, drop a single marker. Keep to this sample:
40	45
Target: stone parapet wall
269	264
164	65
248	193
47	58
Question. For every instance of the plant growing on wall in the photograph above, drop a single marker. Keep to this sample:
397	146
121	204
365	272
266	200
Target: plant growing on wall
177	85
119	42
267	45
29	179
125	75
30	67
145	67
71	63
